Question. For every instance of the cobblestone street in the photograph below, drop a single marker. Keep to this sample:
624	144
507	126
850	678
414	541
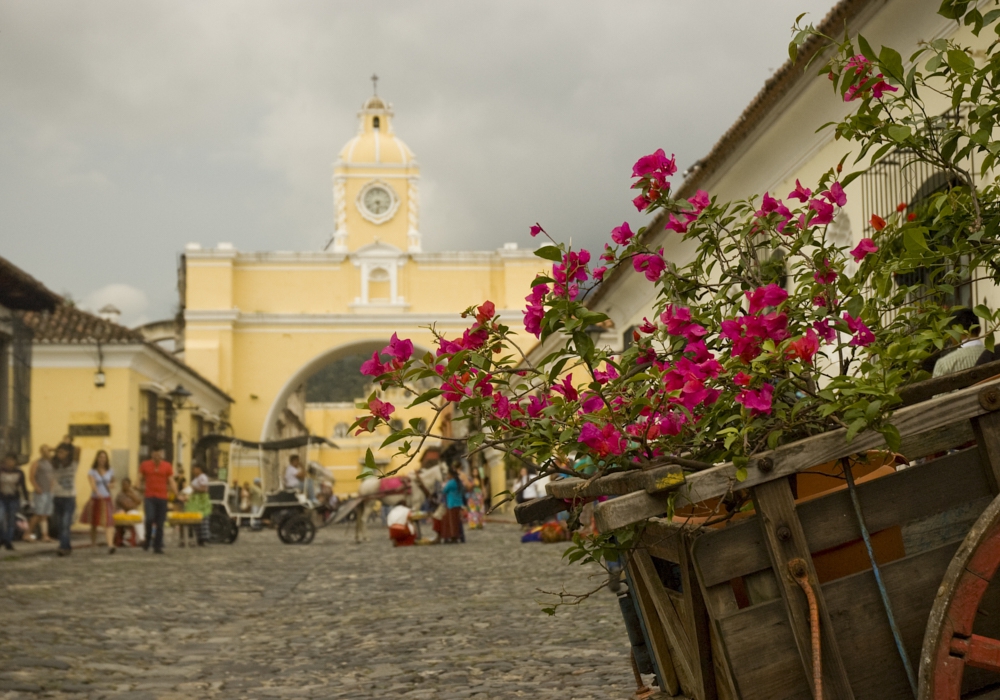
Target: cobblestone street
328	620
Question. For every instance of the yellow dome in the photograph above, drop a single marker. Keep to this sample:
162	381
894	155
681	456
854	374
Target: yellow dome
376	142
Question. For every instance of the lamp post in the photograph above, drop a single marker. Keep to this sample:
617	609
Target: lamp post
178	397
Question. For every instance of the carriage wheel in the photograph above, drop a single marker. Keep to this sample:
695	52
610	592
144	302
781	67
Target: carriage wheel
297	529
949	644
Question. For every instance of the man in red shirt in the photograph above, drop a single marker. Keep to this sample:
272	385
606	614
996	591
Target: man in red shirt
156	480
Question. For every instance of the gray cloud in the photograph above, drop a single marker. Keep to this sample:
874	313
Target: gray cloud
130	128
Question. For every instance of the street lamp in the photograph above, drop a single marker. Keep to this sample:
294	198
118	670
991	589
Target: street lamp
178	396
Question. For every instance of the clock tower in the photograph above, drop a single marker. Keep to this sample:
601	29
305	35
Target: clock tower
375	181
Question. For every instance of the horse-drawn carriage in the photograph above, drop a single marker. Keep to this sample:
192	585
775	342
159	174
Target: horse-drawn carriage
851	573
292	514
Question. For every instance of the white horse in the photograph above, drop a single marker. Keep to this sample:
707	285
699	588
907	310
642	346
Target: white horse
419	487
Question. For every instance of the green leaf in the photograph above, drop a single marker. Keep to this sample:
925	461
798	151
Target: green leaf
550	252
983	311
426	396
899	132
370	461
892	437
793	51
892	63
866	48
854	427
914	240
960	62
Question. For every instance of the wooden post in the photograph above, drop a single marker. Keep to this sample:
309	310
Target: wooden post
698	623
986	428
785	541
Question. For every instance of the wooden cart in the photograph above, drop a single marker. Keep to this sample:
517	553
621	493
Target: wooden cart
748	608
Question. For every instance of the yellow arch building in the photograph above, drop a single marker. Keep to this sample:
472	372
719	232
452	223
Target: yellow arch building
259	324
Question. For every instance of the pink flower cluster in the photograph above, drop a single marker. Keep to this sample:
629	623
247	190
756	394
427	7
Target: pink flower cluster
399	350
863	80
652	172
535	311
569	272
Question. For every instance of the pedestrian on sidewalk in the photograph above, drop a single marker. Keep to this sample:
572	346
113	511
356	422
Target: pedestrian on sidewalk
42	480
98	512
476	503
454	500
64	466
129	501
12	487
199	501
157	484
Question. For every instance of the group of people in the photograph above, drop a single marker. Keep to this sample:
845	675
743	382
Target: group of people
52	478
456	500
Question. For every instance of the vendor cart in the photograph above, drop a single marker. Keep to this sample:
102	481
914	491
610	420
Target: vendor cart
852	572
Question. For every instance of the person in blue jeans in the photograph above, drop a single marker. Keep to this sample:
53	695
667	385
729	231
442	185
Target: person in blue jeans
12	488
64	466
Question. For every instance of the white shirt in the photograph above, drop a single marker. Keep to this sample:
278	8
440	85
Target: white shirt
201	481
400	515
292	477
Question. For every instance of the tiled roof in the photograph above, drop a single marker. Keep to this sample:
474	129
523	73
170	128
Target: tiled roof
68	324
21	291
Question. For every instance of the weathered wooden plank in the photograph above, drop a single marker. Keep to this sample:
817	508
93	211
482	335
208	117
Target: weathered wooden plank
538	509
663	539
699	626
761	650
860	622
670	666
938	440
785	540
618	484
921	391
670	619
986	428
828	521
788	459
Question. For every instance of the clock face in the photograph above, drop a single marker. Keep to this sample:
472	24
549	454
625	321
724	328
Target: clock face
377	201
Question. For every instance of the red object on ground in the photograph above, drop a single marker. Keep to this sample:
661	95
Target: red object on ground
401	536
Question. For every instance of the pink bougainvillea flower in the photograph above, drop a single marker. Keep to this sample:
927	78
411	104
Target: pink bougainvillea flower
901	207
836	195
402	350
598	273
537	404
742	379
804	347
608	374
591	403
622	234
675	224
699	201
800	193
655	163
501	407
641	202
608	255
824	212
825	330
758	401
380	409
603	441
448	347
762	297
877	222
880	87
825	274
863	248
647	326
566	388
863	336
535	312
672	422
859	64
770	205
536	229
374	366
651	264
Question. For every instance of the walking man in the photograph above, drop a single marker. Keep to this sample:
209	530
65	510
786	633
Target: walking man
12	488
156	481
42	480
64	466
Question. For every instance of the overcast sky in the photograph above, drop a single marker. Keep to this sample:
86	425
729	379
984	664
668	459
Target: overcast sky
130	128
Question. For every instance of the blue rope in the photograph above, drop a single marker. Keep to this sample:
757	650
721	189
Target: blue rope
878	576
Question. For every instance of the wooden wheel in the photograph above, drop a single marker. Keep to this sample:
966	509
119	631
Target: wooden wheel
949	644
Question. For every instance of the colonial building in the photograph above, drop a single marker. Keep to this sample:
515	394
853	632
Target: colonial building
259	324
111	389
